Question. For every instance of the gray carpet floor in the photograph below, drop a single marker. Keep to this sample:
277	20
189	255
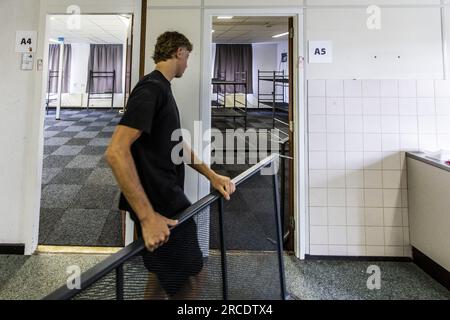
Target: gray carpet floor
249	216
79	193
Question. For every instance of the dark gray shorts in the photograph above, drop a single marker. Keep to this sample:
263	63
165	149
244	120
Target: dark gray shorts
177	260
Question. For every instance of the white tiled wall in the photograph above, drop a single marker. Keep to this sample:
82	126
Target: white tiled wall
358	134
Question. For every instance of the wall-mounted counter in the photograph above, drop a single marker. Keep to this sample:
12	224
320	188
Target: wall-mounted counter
429	214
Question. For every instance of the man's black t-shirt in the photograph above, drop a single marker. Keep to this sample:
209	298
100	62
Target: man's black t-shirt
152	109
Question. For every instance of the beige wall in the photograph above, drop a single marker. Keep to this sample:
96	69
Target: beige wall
186	90
17	91
22	101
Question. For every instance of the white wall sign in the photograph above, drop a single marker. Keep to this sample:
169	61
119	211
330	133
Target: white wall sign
320	52
27	61
26	41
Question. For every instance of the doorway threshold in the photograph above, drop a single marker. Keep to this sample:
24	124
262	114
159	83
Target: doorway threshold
43	249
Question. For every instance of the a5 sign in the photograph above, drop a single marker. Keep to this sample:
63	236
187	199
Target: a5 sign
320	52
26	41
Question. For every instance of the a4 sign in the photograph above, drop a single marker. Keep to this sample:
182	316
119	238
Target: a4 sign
26	41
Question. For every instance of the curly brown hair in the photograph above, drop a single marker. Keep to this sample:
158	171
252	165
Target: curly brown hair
167	45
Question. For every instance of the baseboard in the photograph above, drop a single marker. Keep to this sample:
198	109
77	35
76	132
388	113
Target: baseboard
12	249
437	272
358	258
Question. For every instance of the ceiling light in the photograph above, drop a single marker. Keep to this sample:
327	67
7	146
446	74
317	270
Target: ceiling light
225	17
213	31
281	35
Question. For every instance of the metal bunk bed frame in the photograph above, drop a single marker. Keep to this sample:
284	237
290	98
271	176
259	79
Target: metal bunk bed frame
51	75
277	100
236	112
97	75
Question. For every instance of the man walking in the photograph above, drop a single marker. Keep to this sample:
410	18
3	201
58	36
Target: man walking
140	155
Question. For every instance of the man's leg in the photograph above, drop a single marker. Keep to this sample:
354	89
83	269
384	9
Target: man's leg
194	288
153	290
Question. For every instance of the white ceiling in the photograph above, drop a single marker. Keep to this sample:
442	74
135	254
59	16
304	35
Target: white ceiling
98	29
249	29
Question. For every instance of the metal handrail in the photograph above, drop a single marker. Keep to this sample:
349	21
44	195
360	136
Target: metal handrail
209	199
115	261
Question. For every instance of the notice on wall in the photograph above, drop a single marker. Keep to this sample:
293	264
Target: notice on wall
27	61
320	51
26	41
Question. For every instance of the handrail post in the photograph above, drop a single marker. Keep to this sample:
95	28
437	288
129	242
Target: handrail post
223	251
279	233
119	283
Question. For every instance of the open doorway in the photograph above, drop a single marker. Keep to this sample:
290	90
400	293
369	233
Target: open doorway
87	87
252	93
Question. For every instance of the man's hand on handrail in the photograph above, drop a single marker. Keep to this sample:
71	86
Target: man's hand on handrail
224	185
155	230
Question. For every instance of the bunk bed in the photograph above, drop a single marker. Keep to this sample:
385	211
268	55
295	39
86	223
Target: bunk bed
51	75
220	96
94	75
239	109
275	99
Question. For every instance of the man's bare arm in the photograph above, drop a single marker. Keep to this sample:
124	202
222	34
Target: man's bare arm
121	161
195	163
223	184
118	156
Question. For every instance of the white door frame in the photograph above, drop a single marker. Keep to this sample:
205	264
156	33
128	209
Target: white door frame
300	114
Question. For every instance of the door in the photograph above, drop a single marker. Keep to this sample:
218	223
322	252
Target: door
128	64
290	215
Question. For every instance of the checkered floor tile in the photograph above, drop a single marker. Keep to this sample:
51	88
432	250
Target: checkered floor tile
79	192
80	195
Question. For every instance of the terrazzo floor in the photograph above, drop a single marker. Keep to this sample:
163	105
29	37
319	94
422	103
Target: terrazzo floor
32	278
